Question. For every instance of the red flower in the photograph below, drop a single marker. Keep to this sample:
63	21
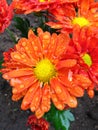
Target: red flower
84	48
29	6
6	14
84	13
38	74
37	124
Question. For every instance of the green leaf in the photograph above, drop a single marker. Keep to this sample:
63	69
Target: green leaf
23	25
12	36
1	61
59	119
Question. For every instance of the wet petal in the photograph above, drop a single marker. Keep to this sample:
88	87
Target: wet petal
60	90
72	102
36	100
45	103
36	45
39	113
66	63
29	96
24	85
76	91
18	73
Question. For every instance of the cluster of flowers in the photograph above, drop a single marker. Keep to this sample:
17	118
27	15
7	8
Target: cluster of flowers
55	67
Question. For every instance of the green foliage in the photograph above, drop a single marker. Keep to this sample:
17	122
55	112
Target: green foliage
12	36
23	25
1	61
59	119
42	20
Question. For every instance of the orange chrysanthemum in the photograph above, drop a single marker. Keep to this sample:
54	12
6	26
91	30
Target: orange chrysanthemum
84	13
36	73
6	14
29	6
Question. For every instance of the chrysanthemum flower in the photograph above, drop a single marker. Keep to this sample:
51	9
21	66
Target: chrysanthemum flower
29	6
36	73
6	14
37	124
84	13
84	48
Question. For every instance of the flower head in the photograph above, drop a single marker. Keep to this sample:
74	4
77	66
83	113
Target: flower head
29	6
6	14
84	13
37	73
84	48
37	124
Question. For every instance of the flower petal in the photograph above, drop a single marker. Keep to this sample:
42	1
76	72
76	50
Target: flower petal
59	89
45	103
22	58
66	63
62	44
24	85
72	102
24	46
58	104
45	39
90	93
18	73
36	100
36	48
76	91
82	81
39	113
29	96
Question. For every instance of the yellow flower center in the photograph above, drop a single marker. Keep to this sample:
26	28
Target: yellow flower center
81	21
44	0
44	70
87	59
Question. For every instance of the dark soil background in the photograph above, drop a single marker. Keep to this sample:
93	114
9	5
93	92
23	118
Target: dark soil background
13	118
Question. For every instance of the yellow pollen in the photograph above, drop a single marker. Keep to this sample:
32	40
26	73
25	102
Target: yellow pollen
81	21
44	70
87	59
44	0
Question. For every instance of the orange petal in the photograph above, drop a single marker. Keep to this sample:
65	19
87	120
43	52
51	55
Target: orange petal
39	113
56	25
77	91
29	96
66	63
19	80
62	43
15	82
22	58
58	104
52	46
84	6
36	100
44	38
24	85
45	103
36	44
65	76
24	46
81	80
16	97
90	93
72	102
60	90
18	73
